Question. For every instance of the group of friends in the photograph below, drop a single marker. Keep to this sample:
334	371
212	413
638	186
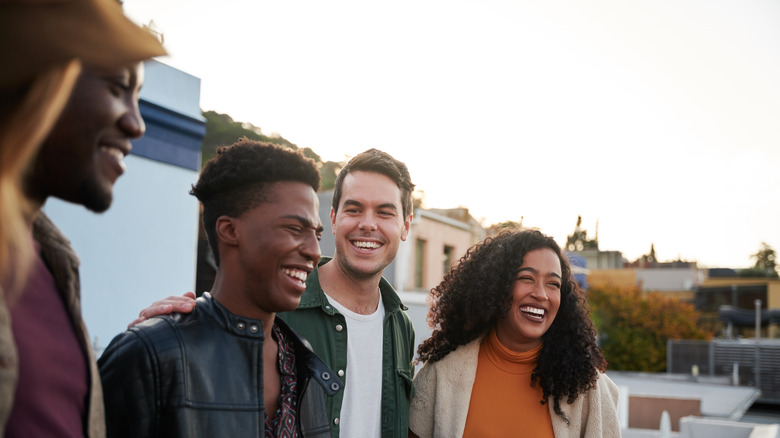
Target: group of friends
287	343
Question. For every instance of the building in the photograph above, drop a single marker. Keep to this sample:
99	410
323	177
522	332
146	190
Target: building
645	396
596	259
437	240
675	280
678	279
740	294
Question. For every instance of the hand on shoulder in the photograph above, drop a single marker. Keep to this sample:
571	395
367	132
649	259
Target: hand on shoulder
174	303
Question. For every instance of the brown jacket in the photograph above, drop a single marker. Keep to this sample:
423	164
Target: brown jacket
64	265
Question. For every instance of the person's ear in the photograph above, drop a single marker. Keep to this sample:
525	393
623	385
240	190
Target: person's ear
227	230
407	225
333	221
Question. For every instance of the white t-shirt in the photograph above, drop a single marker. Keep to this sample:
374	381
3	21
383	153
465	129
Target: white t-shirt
361	410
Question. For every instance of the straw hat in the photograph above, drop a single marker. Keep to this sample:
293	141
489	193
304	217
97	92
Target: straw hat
35	34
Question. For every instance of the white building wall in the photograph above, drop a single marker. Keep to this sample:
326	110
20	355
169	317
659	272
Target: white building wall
142	249
668	279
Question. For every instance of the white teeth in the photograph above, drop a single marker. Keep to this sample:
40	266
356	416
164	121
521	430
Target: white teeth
118	155
533	311
366	245
294	273
114	151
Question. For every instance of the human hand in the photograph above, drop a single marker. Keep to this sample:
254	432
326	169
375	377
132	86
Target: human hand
175	303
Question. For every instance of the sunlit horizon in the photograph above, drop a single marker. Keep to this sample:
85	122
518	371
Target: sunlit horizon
656	119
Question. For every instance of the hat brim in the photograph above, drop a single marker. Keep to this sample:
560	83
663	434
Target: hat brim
35	35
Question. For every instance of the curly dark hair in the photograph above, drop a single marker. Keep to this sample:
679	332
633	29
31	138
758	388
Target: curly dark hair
474	295
374	160
236	180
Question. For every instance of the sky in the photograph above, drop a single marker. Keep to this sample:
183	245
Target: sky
656	121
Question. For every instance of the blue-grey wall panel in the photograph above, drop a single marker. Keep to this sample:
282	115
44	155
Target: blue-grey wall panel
170	137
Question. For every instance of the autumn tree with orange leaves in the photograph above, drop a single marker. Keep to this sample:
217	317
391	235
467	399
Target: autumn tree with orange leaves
633	328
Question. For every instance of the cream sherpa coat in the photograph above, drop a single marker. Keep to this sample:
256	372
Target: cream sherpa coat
442	391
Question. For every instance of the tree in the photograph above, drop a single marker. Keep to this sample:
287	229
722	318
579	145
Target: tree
506	225
633	329
578	240
649	258
765	263
222	130
329	171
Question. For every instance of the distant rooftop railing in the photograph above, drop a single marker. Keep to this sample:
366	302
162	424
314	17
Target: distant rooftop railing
748	362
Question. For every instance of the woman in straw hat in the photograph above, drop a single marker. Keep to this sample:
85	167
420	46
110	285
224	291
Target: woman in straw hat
44	44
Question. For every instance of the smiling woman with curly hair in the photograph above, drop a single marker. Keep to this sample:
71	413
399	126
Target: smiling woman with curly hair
513	350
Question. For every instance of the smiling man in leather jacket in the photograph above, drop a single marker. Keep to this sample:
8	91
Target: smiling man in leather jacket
231	367
352	316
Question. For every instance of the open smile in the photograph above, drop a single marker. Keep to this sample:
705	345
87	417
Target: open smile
366	244
301	276
298	275
114	152
533	313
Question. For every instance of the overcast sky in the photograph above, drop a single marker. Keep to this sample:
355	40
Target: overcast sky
656	119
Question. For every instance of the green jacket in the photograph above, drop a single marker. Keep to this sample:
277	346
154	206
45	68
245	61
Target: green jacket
322	325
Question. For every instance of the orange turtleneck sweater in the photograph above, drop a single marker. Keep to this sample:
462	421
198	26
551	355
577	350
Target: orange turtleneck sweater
503	403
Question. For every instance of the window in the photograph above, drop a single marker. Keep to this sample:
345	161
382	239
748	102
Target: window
419	263
447	258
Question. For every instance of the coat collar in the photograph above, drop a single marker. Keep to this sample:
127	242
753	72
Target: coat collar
315	297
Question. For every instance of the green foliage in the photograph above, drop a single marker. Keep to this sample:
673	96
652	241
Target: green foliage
765	266
756	273
222	130
328	172
507	225
649	257
633	329
578	240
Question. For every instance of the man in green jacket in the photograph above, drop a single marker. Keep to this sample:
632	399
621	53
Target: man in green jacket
351	315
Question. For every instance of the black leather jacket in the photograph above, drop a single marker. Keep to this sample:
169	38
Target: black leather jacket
201	375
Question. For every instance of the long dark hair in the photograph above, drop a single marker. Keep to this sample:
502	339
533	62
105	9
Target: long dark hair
476	293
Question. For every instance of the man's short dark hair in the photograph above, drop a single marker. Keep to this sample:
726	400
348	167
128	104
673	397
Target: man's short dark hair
374	160
237	180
